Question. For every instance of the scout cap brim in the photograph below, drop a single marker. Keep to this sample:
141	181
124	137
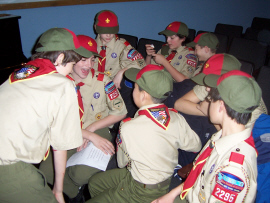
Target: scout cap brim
199	78
191	44
211	80
86	53
131	74
167	33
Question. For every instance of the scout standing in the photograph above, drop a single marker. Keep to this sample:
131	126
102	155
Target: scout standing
226	168
147	144
39	109
118	55
177	59
102	106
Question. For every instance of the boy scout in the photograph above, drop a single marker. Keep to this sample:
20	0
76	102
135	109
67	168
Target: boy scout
146	144
45	106
118	55
178	60
215	66
226	168
102	107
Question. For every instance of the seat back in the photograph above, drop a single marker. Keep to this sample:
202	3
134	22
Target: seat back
133	40
249	50
143	41
247	67
260	23
230	30
264	82
191	35
223	43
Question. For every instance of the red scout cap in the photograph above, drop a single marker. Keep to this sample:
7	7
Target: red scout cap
217	65
106	22
153	79
238	89
88	46
175	28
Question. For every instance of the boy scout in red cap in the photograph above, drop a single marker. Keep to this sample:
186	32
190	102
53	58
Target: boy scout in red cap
216	66
118	55
102	106
226	168
178	60
147	144
45	106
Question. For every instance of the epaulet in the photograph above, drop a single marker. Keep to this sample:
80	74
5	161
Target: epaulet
172	109
126	119
165	50
100	77
189	48
116	37
126	43
237	158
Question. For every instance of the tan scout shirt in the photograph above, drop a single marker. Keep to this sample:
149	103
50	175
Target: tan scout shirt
184	61
35	114
201	93
150	151
230	172
100	98
119	55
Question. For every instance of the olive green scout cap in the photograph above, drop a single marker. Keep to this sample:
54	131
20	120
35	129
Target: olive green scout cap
106	22
238	89
153	79
217	65
205	39
57	39
88	46
175	28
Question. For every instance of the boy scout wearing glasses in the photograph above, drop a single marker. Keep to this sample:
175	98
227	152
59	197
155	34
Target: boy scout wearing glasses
102	107
147	144
226	168
45	106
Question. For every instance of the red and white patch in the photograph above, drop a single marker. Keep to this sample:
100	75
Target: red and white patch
113	94
223	194
192	63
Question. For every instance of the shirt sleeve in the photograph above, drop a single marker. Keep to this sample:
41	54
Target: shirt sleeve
189	64
200	92
122	154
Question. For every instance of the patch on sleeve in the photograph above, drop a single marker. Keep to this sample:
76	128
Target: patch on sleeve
134	55
223	194
192	63
191	56
25	72
111	90
118	103
237	158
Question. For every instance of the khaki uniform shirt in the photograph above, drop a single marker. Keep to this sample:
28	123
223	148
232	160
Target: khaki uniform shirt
35	114
184	61
150	151
100	98
230	172
201	93
119	55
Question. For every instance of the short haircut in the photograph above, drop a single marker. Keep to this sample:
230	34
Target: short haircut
70	56
154	99
240	118
180	36
214	51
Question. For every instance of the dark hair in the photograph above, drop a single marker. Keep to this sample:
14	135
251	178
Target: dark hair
154	99
212	50
180	36
70	56
240	118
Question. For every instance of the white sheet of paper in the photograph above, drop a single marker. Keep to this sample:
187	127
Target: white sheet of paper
90	156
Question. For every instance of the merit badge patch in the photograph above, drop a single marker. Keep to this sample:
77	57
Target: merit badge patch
98	116
191	63
96	95
111	90
114	55
134	55
117	103
191	56
25	72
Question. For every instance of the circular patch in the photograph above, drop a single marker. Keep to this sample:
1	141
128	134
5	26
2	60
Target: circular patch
117	103
96	95
114	55
98	116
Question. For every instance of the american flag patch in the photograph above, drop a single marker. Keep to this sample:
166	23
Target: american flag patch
25	72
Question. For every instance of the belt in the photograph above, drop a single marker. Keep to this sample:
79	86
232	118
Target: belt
155	186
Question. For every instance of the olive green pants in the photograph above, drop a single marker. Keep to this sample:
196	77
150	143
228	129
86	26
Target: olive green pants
75	176
118	186
22	182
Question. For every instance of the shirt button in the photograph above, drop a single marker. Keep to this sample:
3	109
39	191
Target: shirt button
237	149
122	189
202	187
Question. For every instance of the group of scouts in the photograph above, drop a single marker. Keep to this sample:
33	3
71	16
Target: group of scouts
76	89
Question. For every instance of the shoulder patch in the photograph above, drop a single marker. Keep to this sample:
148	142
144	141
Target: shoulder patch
237	158
100	77
191	56
25	72
111	90
134	55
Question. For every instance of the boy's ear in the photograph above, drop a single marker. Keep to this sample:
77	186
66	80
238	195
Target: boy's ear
59	59
221	106
95	26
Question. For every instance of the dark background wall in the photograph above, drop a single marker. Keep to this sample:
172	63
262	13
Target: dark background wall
139	18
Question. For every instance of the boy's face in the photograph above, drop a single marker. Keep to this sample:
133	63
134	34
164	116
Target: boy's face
174	42
82	68
65	70
200	52
106	38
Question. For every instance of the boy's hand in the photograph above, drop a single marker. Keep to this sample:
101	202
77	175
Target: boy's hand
85	142
150	49
103	144
159	59
117	80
